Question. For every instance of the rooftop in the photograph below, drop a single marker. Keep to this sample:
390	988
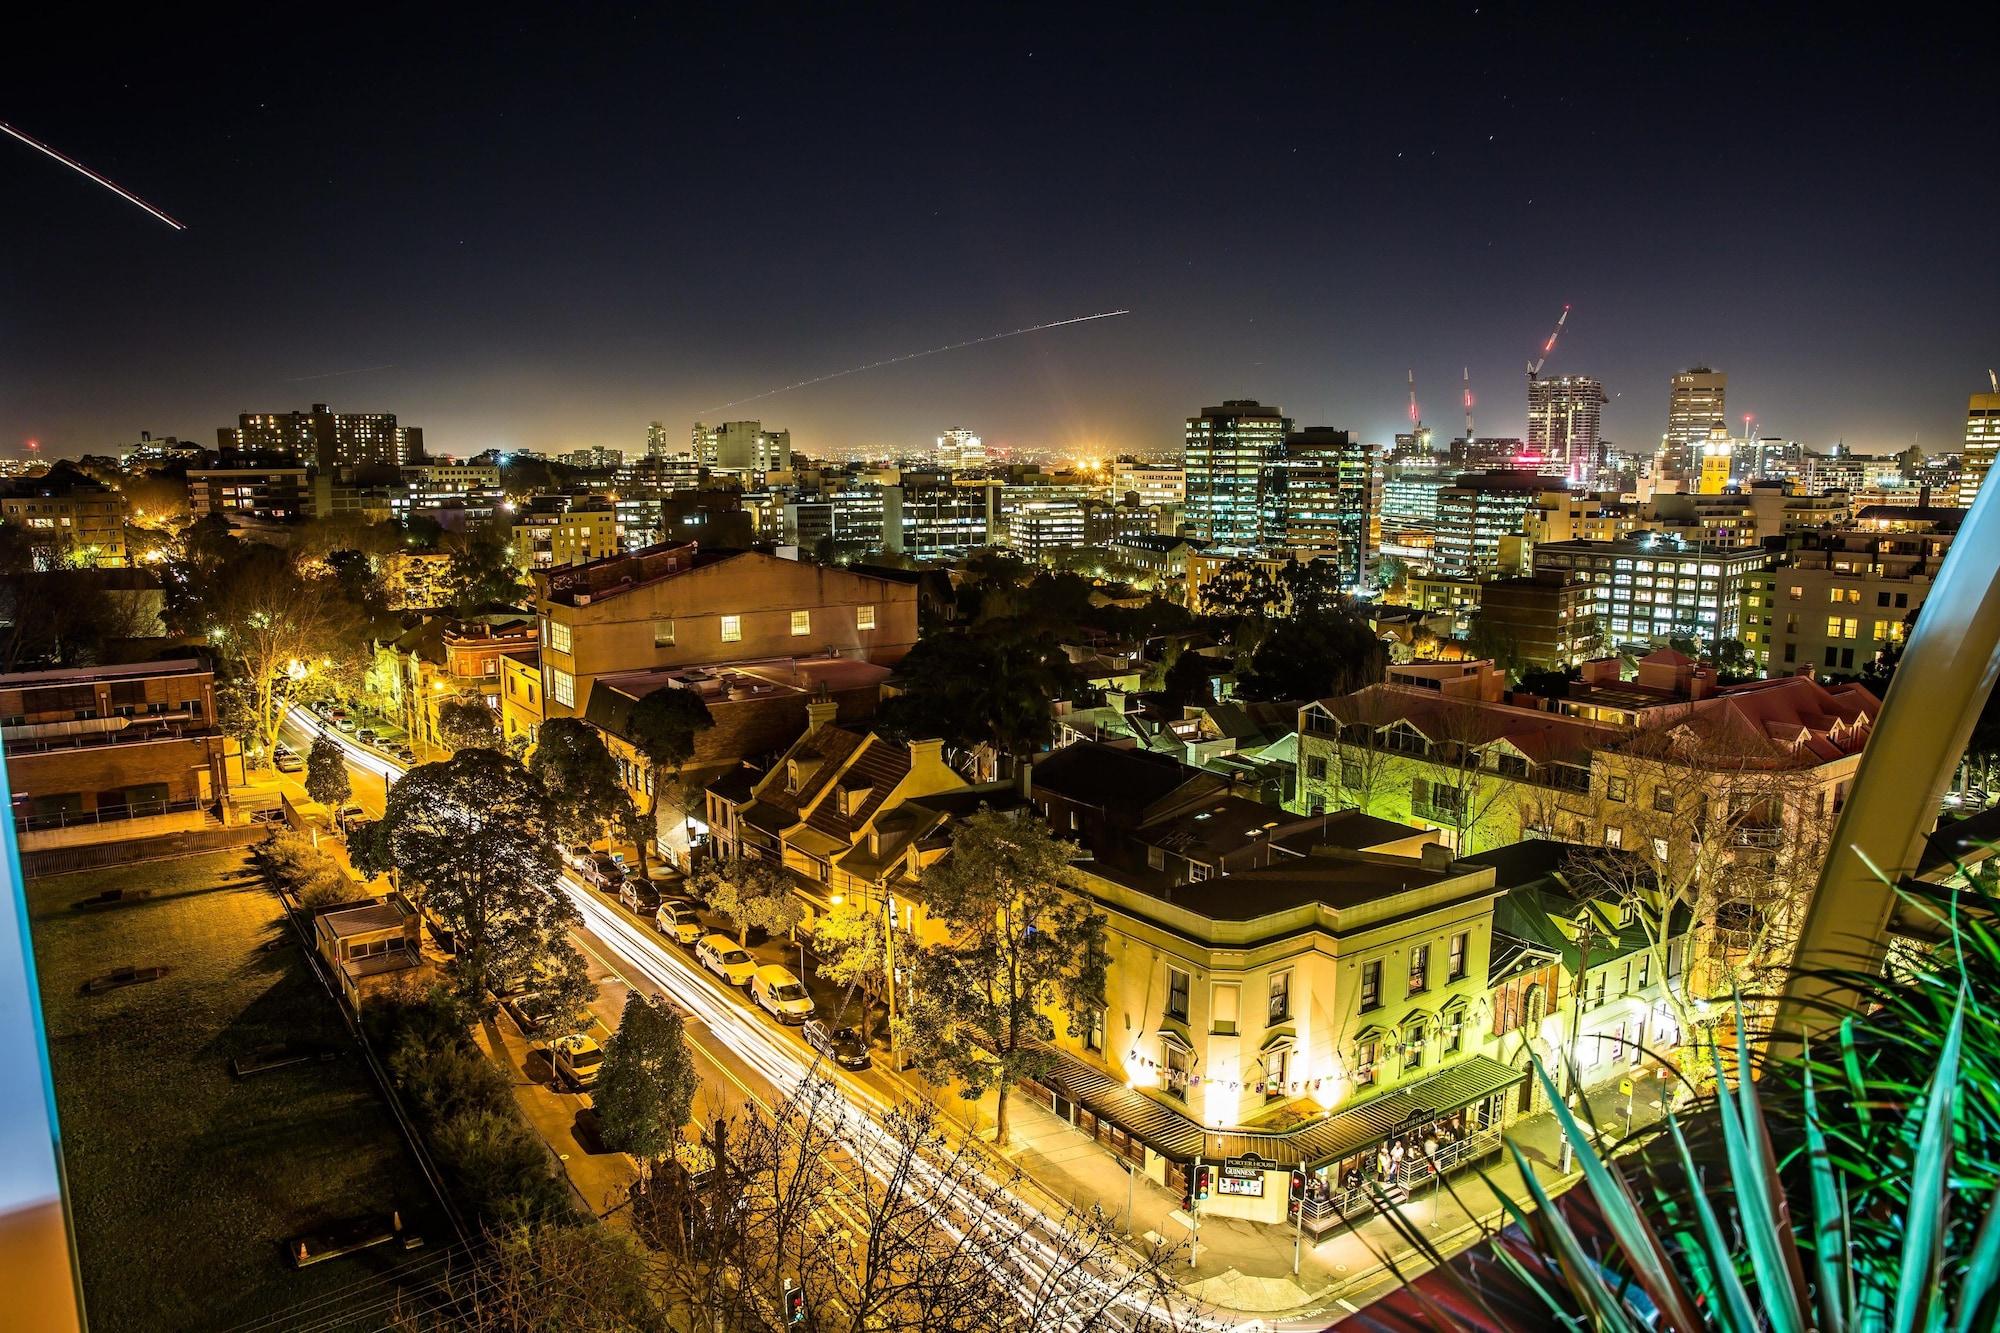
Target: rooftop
179	666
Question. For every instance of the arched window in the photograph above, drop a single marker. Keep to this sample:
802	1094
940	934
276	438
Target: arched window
1536	1007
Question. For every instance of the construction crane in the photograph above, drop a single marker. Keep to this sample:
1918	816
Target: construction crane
1535	366
1467	372
1415	420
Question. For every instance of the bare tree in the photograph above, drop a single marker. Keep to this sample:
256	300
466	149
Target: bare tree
1465	769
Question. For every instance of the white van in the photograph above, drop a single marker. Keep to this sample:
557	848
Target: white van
726	958
780	995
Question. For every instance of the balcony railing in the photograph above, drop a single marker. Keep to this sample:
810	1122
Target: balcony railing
31	823
1321	1212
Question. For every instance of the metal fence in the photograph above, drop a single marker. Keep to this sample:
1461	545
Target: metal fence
57	819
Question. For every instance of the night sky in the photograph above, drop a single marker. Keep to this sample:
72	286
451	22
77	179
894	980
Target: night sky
554	228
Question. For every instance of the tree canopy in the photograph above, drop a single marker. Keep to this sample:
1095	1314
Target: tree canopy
466	723
647	1085
472	837
973	687
1020	943
580	776
752	893
327	779
1312	655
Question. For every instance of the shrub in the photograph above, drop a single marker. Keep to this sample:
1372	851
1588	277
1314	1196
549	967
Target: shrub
304	871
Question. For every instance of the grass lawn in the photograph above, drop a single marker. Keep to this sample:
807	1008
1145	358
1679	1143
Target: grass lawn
184	1181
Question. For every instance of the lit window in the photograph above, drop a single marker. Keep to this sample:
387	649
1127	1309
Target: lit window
559	636
663	633
732	629
864	617
562	687
802	623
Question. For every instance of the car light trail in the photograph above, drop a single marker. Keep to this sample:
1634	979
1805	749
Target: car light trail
81	169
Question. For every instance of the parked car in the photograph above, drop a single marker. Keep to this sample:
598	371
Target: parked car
780	994
604	871
577	857
366	736
345	723
529	1009
348	815
640	894
404	753
676	917
846	1047
286	761
726	958
577	1061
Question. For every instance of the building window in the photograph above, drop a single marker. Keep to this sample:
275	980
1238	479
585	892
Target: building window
1663	800
1176	1081
559	636
562	687
1616	788
1365	1055
802	623
1177	994
1371	985
1420	968
1093	1028
732	629
1645	969
1281	997
1413	1047
1456	971
1222	1015
864	617
1614	836
1453	1039
1274	1072
663	633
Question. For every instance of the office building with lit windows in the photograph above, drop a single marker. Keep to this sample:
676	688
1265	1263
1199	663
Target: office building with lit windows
1564	414
1477	512
1649	588
1226	454
1319	496
1843	599
1982	439
960	448
1697	400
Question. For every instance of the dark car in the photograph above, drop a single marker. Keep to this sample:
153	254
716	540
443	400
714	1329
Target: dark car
604	872
846	1047
640	894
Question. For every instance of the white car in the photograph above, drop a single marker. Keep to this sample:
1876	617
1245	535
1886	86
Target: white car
726	958
577	1060
677	919
780	994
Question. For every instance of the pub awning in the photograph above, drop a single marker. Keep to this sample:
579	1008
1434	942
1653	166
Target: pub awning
1175	1134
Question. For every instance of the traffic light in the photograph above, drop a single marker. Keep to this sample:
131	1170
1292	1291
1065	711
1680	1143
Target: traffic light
795	1305
1298	1186
1200	1183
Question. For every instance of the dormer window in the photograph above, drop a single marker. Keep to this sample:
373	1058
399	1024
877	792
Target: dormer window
852	799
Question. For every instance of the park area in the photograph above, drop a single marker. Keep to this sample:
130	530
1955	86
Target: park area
171	1156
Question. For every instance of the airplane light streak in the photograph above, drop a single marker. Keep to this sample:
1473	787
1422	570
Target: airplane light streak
78	167
910	356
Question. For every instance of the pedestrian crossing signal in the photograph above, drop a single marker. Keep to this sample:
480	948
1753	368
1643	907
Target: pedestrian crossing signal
795	1305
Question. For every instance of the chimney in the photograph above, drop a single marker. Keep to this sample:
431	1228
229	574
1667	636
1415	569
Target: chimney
1806	670
821	712
1024	779
1437	857
926	752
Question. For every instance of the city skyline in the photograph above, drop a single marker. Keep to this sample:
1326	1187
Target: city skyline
456	241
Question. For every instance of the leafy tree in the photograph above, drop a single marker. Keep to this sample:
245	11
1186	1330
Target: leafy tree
580	776
851	944
662	727
466	724
972	688
753	894
273	629
473	840
646	1088
1188	677
327	779
1241	588
1314	655
1544	684
481	574
568	988
1020	943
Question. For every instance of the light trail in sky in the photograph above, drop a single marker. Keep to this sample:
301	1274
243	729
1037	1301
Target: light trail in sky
910	356
78	167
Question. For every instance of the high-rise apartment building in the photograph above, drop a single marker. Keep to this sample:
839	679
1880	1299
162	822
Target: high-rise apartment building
656	439
1318	499
1477	512
960	448
1696	402
326	439
1153	483
1226	453
1648	588
742	446
1564	414
1982	439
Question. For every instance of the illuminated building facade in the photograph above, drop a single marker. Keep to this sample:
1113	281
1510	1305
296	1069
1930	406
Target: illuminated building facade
1227	452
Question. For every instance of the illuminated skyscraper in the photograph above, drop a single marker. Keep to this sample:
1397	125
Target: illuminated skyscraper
1227	451
1318	500
960	448
326	439
1697	402
1563	418
1982	439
